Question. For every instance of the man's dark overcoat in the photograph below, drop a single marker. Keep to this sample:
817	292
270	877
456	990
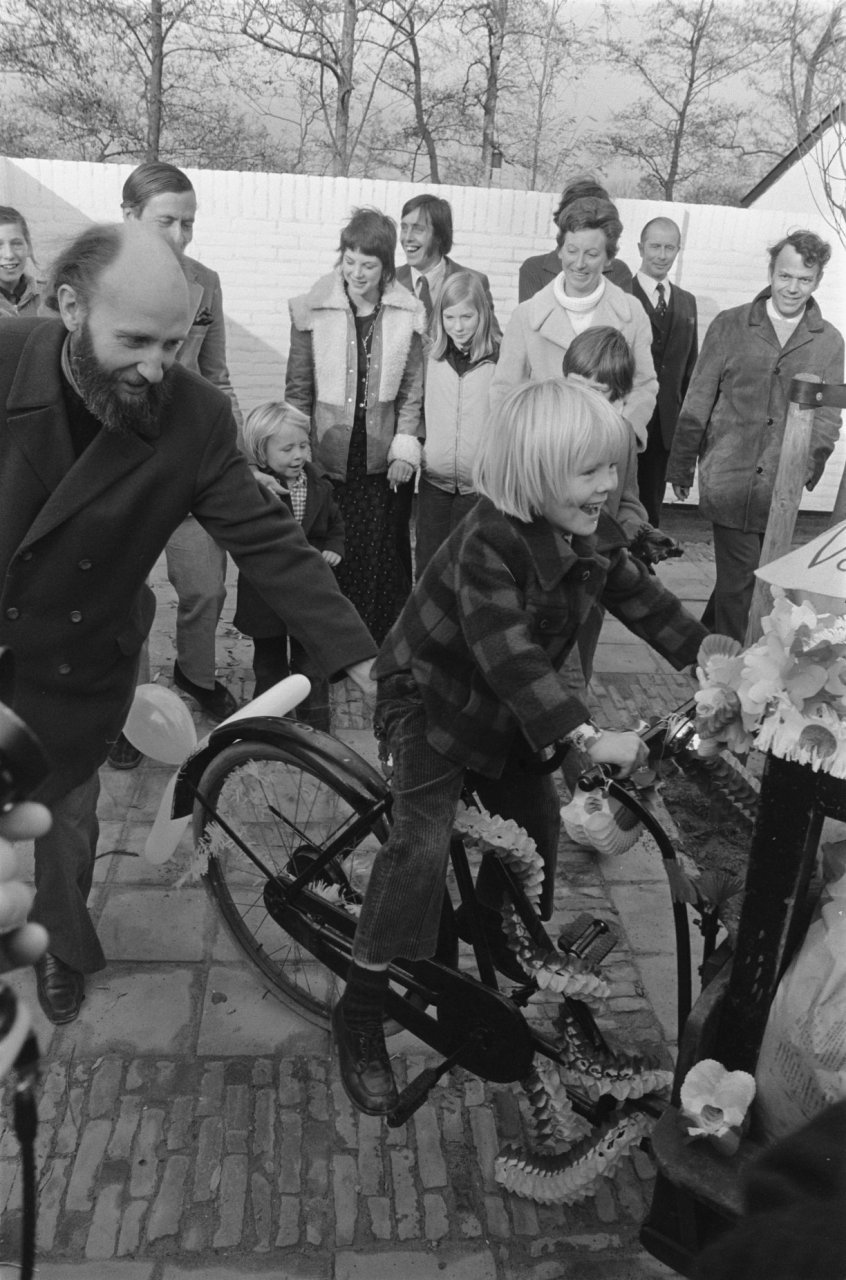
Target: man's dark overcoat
78	538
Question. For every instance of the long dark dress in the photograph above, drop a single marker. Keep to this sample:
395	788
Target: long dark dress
370	574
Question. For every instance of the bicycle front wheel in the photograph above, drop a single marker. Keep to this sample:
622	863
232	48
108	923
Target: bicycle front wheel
285	808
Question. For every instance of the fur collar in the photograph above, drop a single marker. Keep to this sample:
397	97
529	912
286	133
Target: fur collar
326	312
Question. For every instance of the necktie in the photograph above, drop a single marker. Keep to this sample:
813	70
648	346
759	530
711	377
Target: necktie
661	307
425	296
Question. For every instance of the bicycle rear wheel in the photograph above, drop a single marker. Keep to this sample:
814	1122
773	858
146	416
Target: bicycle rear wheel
284	807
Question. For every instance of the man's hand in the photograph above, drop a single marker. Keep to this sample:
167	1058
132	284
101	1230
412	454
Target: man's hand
682	492
626	750
331	557
20	943
268	482
399	472
359	672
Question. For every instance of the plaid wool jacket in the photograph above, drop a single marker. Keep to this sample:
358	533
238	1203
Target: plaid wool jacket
487	629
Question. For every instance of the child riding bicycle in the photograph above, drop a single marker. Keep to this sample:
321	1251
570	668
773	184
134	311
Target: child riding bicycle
470	679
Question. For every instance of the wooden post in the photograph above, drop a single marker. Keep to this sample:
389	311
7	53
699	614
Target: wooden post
787	493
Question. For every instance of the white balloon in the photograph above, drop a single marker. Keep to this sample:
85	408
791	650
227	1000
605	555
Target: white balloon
160	725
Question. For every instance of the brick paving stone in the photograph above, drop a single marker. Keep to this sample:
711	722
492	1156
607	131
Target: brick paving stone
379	1208
231	1202
261	1203
499	1225
145	1162
288	1232
102	1235
179	1123
211	1090
51	1190
430	1159
67	1137
167	1206
92	1147
120	1143
289	1088
237	1117
371	1172
486	1143
345	1199
406	1205
130	1227
264	1120
209	1153
290	1128
435	1216
105	1087
345	1116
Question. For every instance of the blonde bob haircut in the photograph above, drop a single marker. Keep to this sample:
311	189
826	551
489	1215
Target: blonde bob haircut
541	436
463	286
262	424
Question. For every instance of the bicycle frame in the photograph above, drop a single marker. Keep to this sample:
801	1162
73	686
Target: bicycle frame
474	1026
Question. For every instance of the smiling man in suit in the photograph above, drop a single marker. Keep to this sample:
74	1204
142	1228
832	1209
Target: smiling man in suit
675	346
162	198
106	445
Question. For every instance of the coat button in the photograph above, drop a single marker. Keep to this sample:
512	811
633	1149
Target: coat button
85	564
64	668
770	421
75	616
13	613
585	576
759	471
543	625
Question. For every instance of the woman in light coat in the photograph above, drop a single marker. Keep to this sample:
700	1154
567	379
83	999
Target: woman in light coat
356	368
581	297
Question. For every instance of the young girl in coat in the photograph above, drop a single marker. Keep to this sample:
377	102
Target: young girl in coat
276	441
461	362
470	679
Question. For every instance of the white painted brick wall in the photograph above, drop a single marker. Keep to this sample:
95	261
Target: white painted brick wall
271	235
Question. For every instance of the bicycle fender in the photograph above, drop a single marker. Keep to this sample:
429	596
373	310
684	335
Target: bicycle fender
310	745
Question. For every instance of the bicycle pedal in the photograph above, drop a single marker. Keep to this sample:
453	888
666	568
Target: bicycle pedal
587	938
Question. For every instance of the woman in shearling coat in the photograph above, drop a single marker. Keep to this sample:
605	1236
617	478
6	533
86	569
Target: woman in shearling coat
356	368
580	298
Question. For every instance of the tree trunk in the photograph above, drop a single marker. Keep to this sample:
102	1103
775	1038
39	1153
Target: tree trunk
154	86
346	63
496	19
419	112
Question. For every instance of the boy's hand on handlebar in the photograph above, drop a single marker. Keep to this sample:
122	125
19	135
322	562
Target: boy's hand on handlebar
626	750
20	943
359	673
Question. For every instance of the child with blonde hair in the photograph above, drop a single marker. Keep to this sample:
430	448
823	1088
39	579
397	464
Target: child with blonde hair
470	684
461	361
276	442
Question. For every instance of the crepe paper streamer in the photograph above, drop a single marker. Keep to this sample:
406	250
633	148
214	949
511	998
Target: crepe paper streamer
278	701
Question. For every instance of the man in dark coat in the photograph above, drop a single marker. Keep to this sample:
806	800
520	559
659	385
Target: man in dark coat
733	417
675	346
105	446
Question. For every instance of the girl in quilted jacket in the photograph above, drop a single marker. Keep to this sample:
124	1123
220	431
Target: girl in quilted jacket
461	362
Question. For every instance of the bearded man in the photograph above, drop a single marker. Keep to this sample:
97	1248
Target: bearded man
106	445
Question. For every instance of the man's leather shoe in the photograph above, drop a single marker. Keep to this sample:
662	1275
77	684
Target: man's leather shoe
365	1068
61	989
123	755
217	703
